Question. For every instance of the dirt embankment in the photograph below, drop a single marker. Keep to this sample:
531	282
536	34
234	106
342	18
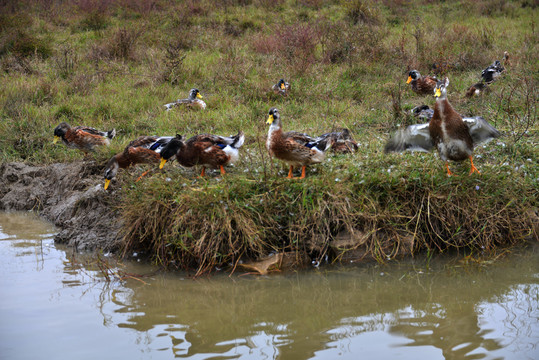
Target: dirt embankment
70	195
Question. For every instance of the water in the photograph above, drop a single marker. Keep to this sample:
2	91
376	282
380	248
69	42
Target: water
53	307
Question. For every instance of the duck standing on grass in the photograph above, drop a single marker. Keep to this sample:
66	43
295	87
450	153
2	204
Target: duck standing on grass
143	150
294	148
207	150
453	136
84	138
194	101
282	87
422	85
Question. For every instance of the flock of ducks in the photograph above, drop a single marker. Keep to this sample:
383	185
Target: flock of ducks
453	135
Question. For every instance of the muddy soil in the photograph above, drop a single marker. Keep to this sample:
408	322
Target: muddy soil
70	195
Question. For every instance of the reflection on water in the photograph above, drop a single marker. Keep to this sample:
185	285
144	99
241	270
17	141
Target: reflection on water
60	309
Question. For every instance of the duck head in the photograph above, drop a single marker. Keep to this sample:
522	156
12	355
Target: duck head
60	131
194	93
413	75
110	171
440	91
274	117
170	150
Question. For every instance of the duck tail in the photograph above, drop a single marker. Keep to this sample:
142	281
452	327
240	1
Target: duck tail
238	140
111	134
323	145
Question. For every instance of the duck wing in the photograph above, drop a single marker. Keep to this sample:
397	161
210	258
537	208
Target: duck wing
414	138
300	138
480	130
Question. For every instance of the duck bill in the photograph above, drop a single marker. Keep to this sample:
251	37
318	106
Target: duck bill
55	140
270	120
437	93
409	79
282	86
199	96
107	183
162	163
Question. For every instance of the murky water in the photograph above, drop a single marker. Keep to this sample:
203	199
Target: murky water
52	307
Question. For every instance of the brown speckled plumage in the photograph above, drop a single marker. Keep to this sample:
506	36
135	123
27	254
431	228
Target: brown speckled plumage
422	85
143	150
205	149
452	135
83	138
293	148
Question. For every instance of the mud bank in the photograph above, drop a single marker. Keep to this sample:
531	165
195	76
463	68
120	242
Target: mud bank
70	195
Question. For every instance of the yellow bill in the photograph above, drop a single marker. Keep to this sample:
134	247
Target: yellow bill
199	96
107	182
282	86
270	120
409	79
162	163
56	138
437	93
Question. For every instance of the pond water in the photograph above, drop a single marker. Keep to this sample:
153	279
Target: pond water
56	305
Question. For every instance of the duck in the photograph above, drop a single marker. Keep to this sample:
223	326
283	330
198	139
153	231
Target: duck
294	148
453	136
193	101
477	89
422	85
341	141
83	138
208	150
142	150
282	87
423	112
492	72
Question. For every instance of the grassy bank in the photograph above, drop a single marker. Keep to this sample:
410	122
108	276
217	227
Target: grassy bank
115	63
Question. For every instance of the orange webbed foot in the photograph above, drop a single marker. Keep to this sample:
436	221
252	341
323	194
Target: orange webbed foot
449	172
290	176
473	168
142	175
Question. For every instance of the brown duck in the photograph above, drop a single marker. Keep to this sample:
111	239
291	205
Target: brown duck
452	135
143	150
294	148
422	85
83	138
207	150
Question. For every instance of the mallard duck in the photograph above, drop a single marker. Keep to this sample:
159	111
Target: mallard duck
453	136
194	101
294	148
281	87
340	142
422	85
492	72
143	150
477	89
207	150
83	138
423	112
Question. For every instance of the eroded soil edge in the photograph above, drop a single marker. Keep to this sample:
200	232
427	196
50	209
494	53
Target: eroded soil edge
70	195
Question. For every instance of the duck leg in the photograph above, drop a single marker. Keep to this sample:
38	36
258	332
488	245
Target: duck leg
290	172
449	173
302	172
473	169
203	171
222	169
143	174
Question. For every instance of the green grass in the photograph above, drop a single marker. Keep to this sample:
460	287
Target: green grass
106	66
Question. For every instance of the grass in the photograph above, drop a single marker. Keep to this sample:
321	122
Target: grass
114	64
